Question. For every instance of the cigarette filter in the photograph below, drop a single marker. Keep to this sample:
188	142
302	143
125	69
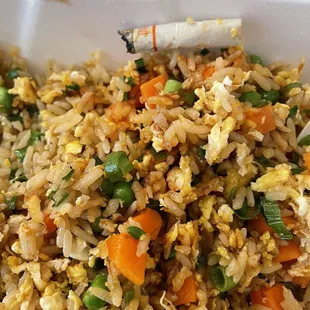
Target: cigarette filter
203	34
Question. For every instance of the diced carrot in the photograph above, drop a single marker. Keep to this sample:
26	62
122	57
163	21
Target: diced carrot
50	225
208	72
287	252
262	117
148	89
150	221
270	297
187	293
306	158
302	281
260	225
122	252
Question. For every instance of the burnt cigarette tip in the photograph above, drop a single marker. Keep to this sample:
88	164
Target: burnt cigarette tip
126	36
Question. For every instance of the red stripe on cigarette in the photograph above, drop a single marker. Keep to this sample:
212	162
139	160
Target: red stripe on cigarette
154	38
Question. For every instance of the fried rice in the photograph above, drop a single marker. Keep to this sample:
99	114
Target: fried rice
181	181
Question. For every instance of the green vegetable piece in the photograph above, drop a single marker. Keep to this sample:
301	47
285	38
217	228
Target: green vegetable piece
125	96
95	225
291	86
201	153
189	96
68	176
32	109
274	219
11	202
21	178
295	158
201	262
140	65
135	232
124	193
247	213
153	204
293	111
99	264
12	174
13	73
272	95
116	165
73	86
98	161
251	96
51	195
297	170
304	141
35	136
172	254
256	60
92	302
172	86
128	80
107	187
161	155
6	100
129	296
62	199
232	193
265	162
220	280
204	52
20	153
15	118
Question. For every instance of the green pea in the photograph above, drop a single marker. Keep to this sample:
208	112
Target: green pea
252	97
92	302
13	74
124	193
6	100
107	187
291	86
95	225
272	95
256	60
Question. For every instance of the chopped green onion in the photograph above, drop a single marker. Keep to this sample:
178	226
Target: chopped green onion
129	296
172	86
153	204
189	96
204	52
95	225
262	103
98	161
92	302
11	202
273	218
201	262
125	96
51	195
293	111
13	73
256	60
291	86
73	86
21	178
201	153
128	80
68	176
251	96
140	65
161	155
99	264
295	158
135	232
15	118
20	153
6	100
124	193
107	187
272	95
172	254
265	162
232	193
62	199
12	174
304	141
297	170
32	109
116	165
220	280
247	213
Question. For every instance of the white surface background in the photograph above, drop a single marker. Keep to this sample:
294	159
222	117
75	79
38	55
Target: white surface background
273	29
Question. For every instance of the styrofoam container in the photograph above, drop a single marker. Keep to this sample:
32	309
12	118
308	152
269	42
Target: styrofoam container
69	30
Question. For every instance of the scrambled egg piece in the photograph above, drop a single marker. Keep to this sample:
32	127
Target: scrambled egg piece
74	147
243	157
25	290
68	77
34	208
25	89
52	299
74	300
76	273
274	178
47	94
222	97
40	275
206	206
218	139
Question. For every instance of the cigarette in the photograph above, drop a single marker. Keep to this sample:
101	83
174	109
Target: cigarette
203	34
